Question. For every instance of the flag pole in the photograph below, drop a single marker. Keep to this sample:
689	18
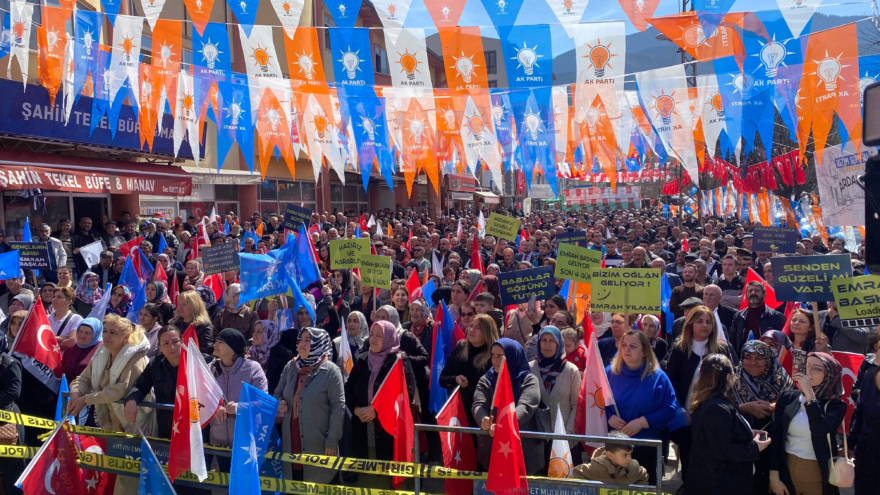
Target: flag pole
595	345
447	402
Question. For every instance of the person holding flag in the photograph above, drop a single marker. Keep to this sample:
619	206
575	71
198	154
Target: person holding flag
369	440
508	354
355	331
10	383
312	404
118	363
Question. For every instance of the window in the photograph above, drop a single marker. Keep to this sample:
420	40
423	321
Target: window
348	198
493	84
381	57
275	194
328	22
491	63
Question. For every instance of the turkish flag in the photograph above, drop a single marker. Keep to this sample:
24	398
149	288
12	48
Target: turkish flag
36	345
507	467
413	284
126	247
95	482
850	364
216	284
179	457
159	275
476	260
769	294
475	291
173	290
391	403
458	448
54	469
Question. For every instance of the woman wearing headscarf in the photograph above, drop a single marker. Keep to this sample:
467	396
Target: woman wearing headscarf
471	276
235	315
311	382
421	324
75	359
650	326
157	294
419	358
88	293
560	381
491	285
493	269
357	332
368	439
120	301
194	276
341	284
526	396
328	310
804	429
232	371
778	343
760	380
264	350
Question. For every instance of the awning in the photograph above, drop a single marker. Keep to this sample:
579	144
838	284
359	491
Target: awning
29	170
231	177
489	198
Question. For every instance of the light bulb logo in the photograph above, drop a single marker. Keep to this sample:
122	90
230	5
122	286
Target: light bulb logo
146	89
772	55
321	123
274	118
592	118
449	117
527	58
599	57
286	8
261	57
502	4
199	5
475	125
243	5
465	67
234	111
87	40
18	30
127	46
640	4
369	125
392	11
718	102
498	113
210	52
829	70
567	5
417	128
109	79
409	64
306	65
798	3
744	84
188	103
533	124
864	83
51	39
445	12
693	36
665	106
342	9
165	54
351	61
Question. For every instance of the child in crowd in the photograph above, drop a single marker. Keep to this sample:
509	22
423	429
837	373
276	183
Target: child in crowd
613	464
574	353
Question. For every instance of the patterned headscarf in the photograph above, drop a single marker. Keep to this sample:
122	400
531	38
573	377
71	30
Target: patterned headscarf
767	386
321	347
552	366
161	293
271	336
832	385
393	315
375	360
84	293
125	303
417	327
782	340
207	295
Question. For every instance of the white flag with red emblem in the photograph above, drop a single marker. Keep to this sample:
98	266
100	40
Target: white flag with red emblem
560	453
38	349
594	399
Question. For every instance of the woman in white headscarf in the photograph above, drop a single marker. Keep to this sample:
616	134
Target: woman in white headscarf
235	315
356	332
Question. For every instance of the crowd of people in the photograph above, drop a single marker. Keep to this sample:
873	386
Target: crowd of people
752	425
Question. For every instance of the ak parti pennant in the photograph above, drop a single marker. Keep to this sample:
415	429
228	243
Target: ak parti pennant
148	115
304	62
831	81
418	143
200	12
445	14
639	11
274	131
51	44
599	130
686	31
167	52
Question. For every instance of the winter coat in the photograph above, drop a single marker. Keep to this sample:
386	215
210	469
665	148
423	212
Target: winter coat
322	406
564	394
601	468
243	322
204	333
160	379
231	379
723	451
103	388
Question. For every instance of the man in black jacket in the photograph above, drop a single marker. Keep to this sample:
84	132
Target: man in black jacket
712	300
83	237
162	231
756	319
105	271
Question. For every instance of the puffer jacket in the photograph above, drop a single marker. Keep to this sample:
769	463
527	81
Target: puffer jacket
230	380
601	468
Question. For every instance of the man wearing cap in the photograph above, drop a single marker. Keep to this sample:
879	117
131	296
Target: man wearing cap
808	246
730	282
688	289
756	319
191	225
747	242
686	306
111	236
84	237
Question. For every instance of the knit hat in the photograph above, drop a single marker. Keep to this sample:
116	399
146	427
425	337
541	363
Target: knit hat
234	339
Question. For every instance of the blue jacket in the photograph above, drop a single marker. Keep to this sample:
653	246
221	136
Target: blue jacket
653	398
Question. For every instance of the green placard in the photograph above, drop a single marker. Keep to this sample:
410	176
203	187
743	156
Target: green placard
857	297
375	271
503	226
576	263
625	290
346	253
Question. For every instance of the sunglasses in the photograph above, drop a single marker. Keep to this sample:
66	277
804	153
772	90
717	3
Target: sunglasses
468	314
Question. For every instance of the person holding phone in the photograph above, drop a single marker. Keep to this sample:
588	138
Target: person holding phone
724	446
804	429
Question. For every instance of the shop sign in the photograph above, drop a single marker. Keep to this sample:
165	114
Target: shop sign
462	183
460	196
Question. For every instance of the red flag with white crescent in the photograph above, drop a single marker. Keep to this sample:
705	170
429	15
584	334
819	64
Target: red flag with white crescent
54	469
391	403
849	364
458	448
38	349
507	465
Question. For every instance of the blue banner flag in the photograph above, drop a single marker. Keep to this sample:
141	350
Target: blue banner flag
139	299
502	114
428	289
129	276
9	265
5	36
370	127
146	268
352	57
235	124
665	295
248	234
212	62
438	395
225	227
111	8
245	13
345	12
101	100
254	423
262	275
26	232
502	12
305	264
446	329
64	389
153	480
162	244
711	12
87	34
564	292
727	73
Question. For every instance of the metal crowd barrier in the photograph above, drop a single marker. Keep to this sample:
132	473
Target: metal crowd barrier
552	436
